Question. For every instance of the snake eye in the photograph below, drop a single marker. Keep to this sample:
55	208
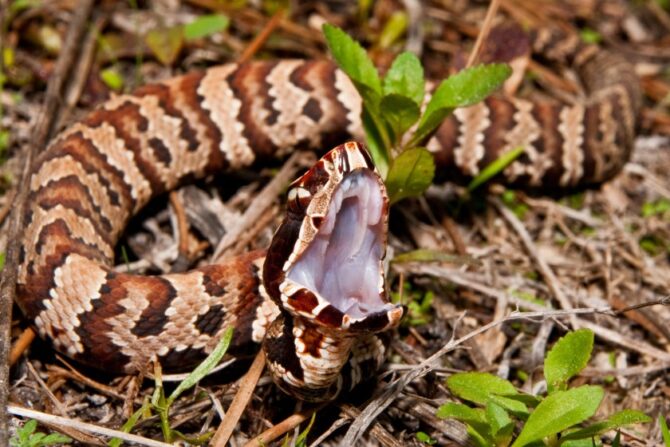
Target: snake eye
298	199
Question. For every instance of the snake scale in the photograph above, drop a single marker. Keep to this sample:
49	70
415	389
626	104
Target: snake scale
316	300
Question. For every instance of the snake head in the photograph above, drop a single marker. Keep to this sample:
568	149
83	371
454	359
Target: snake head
325	261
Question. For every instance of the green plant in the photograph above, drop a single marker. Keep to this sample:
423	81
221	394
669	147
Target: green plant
161	404
553	420
112	78
510	200
26	437
419	305
659	207
301	439
425	438
392	106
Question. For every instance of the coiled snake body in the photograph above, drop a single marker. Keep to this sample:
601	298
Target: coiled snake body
321	306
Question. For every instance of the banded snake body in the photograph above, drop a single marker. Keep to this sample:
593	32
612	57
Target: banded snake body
316	300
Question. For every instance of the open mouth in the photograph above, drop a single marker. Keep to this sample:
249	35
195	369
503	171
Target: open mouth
343	264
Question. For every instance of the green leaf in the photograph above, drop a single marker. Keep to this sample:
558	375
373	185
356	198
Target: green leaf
460	412
400	113
206	25
425	438
617	420
301	440
428	255
205	367
514	406
495	167
405	78
36	439
26	437
475	418
410	174
664	430
165	43
589	35
501	424
112	78
131	422
460	90
657	207
480	438
4	144
54	439
567	358
478	387
377	143
395	27
559	411
353	60
526	399
28	429
580	443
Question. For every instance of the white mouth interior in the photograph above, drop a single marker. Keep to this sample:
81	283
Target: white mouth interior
343	262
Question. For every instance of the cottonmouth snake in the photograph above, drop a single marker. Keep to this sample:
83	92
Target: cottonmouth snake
320	308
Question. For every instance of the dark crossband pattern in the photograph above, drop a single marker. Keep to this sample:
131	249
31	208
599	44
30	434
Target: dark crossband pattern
100	171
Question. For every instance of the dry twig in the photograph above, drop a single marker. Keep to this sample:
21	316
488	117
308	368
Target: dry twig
247	385
59	421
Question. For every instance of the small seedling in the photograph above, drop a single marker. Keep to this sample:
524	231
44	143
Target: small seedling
510	200
425	438
419	305
26	437
392	106
301	439
161	404
660	207
112	78
554	420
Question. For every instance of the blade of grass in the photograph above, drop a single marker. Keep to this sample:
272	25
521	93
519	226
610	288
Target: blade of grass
495	167
664	430
205	367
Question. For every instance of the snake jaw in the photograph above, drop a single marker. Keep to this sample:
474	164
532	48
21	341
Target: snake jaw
334	274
